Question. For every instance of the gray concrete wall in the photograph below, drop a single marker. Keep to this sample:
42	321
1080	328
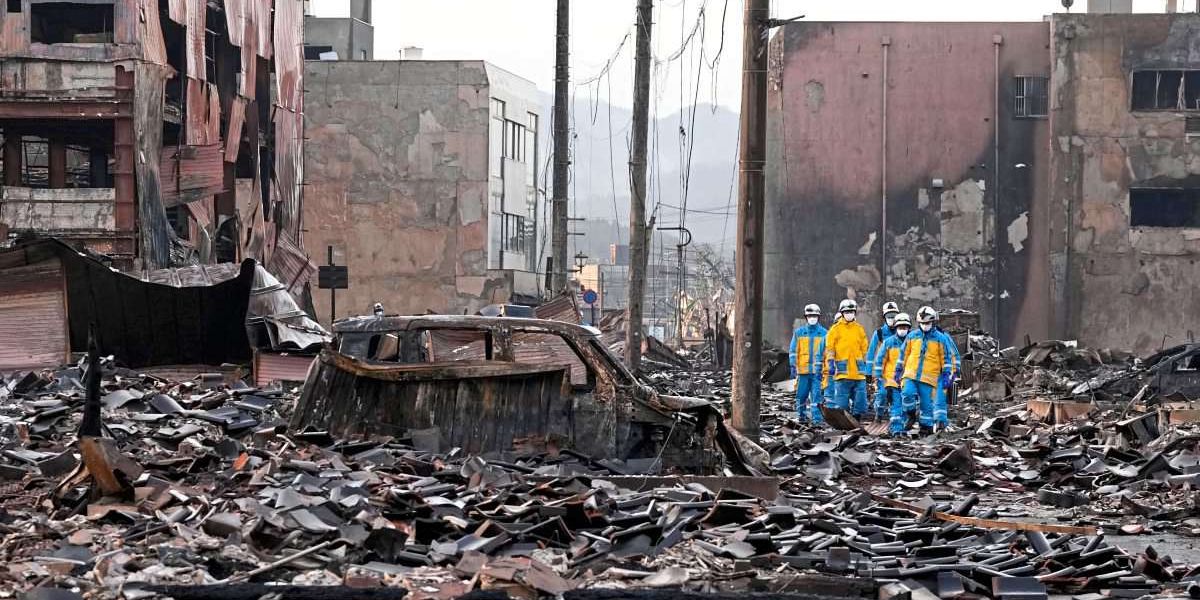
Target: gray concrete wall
348	37
396	180
1116	285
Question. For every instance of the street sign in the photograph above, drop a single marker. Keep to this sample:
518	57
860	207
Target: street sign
590	297
333	277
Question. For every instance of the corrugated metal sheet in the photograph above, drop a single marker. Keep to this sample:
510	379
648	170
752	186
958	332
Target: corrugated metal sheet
191	173
562	308
33	321
291	265
150	32
289	169
177	11
213	115
152	224
262	19
289	53
194	38
234	21
237	118
196	113
192	275
249	53
270	367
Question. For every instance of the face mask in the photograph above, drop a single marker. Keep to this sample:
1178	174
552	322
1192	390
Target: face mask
849	316
926	326
903	331
890	320
812	320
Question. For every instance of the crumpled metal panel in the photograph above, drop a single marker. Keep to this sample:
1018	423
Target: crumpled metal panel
289	169
291	265
235	14
177	11
563	308
146	324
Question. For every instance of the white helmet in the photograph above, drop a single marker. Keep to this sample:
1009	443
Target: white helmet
848	305
927	315
890	308
812	310
902	319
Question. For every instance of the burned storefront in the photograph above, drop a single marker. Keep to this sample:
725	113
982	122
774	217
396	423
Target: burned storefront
157	132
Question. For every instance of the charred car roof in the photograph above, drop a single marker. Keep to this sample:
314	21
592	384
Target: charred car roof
373	324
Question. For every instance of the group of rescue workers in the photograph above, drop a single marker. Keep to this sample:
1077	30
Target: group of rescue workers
910	370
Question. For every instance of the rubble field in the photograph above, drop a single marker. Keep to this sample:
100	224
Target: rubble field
1068	473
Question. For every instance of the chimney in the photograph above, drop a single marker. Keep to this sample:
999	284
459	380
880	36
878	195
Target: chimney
411	53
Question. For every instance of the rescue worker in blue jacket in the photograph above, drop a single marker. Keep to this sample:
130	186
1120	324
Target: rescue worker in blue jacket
926	364
883	332
805	353
888	393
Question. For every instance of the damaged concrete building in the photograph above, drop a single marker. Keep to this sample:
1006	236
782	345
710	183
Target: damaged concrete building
1035	173
423	176
156	132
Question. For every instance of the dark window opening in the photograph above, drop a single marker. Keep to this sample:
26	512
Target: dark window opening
172	134
210	44
71	23
173	36
35	158
178	216
244	168
314	52
514	233
1030	97
14	6
1164	207
60	156
1166	90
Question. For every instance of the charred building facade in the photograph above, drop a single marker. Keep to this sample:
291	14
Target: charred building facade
423	176
156	132
1035	173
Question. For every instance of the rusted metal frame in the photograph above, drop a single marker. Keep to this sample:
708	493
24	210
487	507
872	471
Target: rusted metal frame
74	110
429	371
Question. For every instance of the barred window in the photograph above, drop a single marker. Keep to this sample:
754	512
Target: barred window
1030	97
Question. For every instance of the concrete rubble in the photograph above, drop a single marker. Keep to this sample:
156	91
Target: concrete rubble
209	487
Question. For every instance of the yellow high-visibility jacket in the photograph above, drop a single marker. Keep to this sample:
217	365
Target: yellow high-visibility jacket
846	351
926	355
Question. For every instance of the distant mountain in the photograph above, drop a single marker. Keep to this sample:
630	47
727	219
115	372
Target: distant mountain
599	169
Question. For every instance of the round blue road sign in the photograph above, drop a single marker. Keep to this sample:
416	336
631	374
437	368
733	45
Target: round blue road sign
590	296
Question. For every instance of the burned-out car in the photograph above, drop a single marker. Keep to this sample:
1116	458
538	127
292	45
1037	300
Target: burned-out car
489	384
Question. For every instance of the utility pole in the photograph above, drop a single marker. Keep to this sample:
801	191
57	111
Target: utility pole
562	158
748	287
637	186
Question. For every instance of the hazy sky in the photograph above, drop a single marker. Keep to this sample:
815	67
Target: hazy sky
518	35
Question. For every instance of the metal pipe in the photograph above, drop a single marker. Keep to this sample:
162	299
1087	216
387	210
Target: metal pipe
997	40
886	42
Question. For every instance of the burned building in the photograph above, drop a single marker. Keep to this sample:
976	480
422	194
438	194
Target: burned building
423	177
1035	173
156	132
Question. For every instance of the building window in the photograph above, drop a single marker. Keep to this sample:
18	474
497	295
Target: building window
71	23
177	217
1030	97
1164	207
315	52
514	233
531	153
1166	90
497	134
514	143
14	6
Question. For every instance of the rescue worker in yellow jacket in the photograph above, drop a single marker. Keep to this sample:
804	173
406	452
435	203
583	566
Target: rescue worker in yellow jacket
846	364
925	366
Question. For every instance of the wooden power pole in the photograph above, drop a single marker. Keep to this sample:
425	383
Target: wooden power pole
748	287
562	151
637	186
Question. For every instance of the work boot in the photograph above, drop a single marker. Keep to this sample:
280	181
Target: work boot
926	430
